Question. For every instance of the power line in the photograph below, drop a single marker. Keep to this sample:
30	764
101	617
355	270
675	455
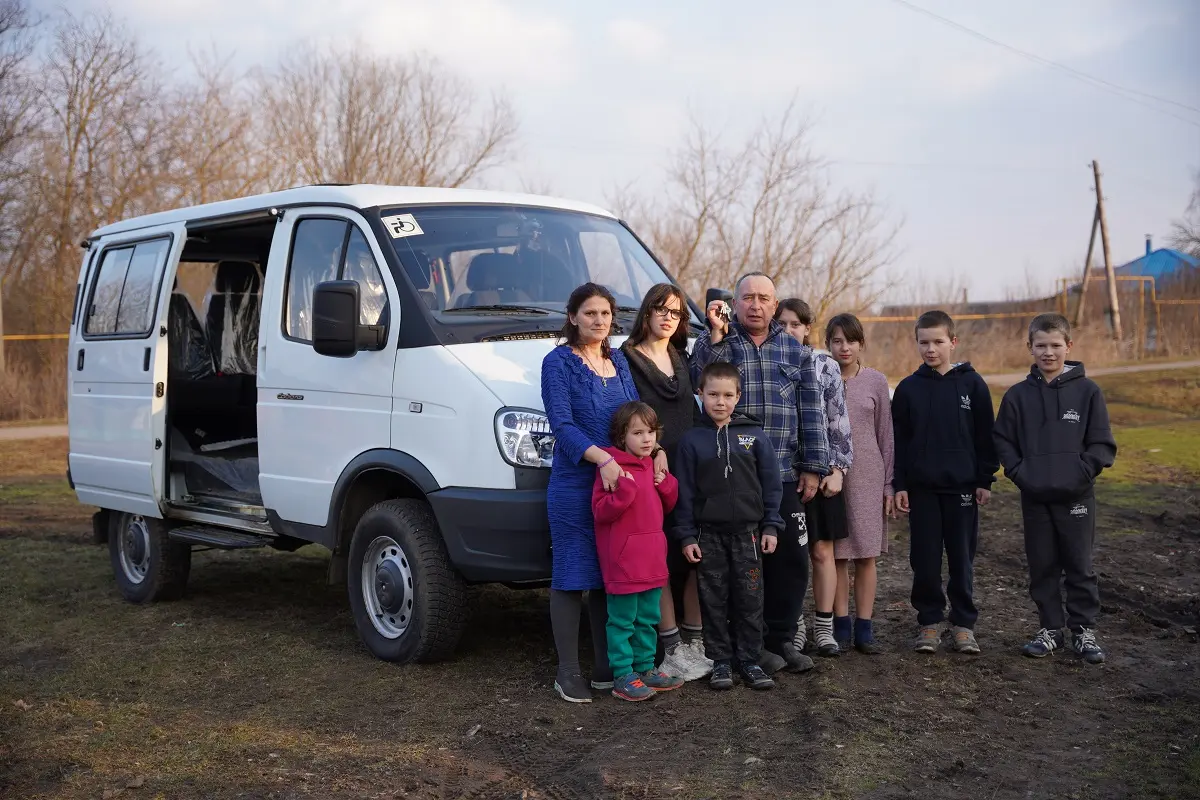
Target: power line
1100	83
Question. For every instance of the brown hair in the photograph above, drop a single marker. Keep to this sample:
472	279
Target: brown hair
570	332
1050	323
720	370
851	327
801	309
626	414
935	319
657	297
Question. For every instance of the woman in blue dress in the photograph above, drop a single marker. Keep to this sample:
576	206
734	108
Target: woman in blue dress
584	382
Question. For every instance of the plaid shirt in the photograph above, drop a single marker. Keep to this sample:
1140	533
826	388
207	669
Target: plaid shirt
780	389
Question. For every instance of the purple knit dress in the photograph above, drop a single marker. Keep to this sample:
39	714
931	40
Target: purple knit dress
869	480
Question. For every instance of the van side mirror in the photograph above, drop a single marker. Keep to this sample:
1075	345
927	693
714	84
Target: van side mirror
335	329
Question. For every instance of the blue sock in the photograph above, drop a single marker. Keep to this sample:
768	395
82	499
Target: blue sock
862	631
841	628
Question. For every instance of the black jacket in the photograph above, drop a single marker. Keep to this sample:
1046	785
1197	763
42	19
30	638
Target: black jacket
943	426
671	397
728	478
1054	438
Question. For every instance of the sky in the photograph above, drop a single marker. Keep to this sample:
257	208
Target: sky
982	155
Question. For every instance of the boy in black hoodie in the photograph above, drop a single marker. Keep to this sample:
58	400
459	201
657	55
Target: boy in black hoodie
945	466
1053	437
729	495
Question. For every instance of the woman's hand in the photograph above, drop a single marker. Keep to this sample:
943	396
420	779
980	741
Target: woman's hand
660	467
610	473
889	507
831	484
692	553
902	502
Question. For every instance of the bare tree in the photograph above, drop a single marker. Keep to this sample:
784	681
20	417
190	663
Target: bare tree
342	116
17	107
1185	232
766	205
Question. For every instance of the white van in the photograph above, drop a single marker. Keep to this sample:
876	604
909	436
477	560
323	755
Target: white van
353	366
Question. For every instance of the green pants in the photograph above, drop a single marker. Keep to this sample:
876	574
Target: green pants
633	631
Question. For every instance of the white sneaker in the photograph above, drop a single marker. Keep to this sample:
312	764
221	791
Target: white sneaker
677	662
703	664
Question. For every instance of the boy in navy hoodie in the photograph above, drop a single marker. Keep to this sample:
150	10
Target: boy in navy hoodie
1053	437
945	466
729	495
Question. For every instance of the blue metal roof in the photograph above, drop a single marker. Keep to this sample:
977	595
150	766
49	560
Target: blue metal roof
1161	263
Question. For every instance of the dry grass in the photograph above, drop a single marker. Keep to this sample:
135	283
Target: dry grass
31	393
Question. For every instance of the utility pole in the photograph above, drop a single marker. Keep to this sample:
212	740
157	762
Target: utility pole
2	365
1087	270
1113	304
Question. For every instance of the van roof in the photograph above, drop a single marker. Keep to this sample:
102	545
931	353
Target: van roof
356	195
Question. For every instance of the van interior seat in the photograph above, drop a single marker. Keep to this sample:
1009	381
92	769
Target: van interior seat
234	310
493	278
189	356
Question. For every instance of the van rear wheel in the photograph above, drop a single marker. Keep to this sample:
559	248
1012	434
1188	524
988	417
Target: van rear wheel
408	601
147	564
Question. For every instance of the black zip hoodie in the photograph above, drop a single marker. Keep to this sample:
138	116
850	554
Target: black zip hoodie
728	478
1054	438
943	426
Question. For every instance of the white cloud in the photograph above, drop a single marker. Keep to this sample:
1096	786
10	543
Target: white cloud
636	39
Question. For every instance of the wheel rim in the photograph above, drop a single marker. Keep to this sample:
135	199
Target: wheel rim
134	549
387	587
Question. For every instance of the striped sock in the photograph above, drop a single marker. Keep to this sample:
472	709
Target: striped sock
823	631
669	638
692	633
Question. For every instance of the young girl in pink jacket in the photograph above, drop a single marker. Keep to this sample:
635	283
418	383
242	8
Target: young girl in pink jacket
632	550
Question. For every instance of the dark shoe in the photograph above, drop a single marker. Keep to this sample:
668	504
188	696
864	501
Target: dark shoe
796	661
841	632
1043	643
754	677
771	662
602	678
571	687
660	681
864	638
1083	642
722	676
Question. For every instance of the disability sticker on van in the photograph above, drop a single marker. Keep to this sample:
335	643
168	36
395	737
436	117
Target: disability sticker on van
402	225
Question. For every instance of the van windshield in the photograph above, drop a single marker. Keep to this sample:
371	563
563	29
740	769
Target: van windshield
513	259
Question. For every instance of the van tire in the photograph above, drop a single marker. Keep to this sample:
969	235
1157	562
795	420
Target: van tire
146	562
418	600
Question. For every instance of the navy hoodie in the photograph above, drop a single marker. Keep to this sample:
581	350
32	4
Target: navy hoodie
728	478
1054	438
943	426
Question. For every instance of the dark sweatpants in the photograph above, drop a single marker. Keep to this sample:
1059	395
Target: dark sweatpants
938	522
1058	545
730	584
785	573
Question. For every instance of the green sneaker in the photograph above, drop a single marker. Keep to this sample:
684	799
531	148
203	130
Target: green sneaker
660	681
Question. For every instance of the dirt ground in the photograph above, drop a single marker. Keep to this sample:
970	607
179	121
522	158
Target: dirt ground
255	685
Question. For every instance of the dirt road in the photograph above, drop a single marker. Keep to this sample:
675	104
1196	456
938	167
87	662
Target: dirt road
24	432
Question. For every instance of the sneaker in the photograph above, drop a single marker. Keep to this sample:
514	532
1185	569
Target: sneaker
602	677
703	663
571	687
660	681
1083	642
770	662
632	688
964	641
1043	644
679	661
929	638
754	677
722	676
796	661
800	640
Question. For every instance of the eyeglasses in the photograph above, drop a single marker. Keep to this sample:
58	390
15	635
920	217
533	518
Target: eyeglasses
672	313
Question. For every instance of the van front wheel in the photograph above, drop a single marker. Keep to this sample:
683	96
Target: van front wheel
409	603
148	566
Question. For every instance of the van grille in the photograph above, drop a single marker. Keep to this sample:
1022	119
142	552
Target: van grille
513	337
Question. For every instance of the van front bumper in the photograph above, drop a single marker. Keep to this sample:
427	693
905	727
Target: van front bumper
495	535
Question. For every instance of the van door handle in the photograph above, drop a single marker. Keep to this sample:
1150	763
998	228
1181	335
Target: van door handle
146	360
79	361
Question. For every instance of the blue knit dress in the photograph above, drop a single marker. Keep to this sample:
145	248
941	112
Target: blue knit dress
580	408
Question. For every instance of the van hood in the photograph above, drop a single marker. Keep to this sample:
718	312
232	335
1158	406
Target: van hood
511	370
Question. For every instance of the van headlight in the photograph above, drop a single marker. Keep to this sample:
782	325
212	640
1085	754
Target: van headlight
524	437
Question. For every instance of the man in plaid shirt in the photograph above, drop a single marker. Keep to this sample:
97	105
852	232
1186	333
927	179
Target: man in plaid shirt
780	390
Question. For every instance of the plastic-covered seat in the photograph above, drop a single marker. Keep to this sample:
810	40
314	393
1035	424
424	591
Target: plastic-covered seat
234	310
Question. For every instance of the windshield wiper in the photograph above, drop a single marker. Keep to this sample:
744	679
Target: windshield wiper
508	308
628	309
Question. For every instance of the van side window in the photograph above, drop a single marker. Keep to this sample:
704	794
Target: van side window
125	288
326	250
